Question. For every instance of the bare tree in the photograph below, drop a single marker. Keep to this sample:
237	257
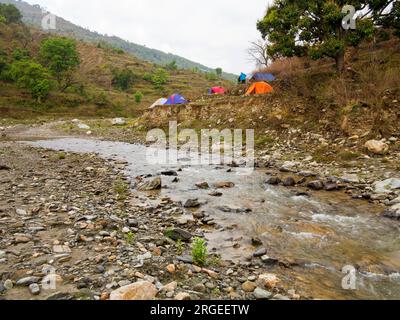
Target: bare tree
258	53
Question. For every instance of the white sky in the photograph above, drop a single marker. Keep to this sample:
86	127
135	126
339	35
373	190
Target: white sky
215	33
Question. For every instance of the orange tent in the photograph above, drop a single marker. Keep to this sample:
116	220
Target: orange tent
259	88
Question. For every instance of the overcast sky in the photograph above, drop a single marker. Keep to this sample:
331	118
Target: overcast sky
215	33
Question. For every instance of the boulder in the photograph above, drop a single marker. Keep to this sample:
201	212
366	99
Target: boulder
178	234
289	182
273	181
118	122
224	185
393	212
203	185
141	290
192	203
387	186
315	185
154	184
377	147
261	294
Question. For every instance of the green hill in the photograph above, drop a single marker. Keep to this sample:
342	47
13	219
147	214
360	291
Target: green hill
33	14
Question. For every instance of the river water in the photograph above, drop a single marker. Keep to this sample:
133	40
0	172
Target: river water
322	233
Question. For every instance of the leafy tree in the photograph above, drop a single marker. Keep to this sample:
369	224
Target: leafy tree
159	79
314	27
31	76
218	71
10	13
3	19
61	57
172	66
138	96
123	79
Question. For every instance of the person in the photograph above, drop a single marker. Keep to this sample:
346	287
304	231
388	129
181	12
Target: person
242	78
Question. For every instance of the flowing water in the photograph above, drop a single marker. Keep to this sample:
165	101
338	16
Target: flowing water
322	233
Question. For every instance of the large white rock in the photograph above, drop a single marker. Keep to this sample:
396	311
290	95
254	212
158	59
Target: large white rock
377	147
387	186
83	126
141	290
118	122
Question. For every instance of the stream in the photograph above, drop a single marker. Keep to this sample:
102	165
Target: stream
324	232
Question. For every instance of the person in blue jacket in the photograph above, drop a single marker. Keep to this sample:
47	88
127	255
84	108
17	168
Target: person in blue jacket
242	78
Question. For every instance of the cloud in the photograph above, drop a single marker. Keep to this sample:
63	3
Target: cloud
214	33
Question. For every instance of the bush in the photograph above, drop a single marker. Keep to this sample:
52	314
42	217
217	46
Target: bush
123	79
199	252
159	79
3	19
211	76
101	100
138	97
172	66
20	54
31	76
3	61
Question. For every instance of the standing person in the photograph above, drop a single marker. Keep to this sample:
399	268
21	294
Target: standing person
242	78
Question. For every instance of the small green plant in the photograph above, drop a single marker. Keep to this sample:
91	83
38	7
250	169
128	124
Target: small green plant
169	233
214	261
130	237
199	251
121	188
138	96
180	247
61	155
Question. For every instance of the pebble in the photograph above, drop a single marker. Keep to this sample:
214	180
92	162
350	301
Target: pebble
249	286
261	294
34	289
200	287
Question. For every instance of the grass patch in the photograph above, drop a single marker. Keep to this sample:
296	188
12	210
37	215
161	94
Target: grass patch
61	155
348	155
199	252
121	188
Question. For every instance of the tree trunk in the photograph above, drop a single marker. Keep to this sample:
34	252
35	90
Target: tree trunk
340	62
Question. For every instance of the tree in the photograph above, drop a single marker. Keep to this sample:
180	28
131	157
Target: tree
10	13
31	76
159	79
258	52
218	71
172	66
3	19
61	57
211	76
123	79
314	27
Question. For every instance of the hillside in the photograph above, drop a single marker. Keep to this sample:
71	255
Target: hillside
93	93
32	15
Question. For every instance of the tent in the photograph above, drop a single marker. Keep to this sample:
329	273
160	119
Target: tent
259	88
159	102
175	99
217	90
260	76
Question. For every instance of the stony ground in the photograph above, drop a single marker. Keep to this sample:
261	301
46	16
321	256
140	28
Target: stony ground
72	229
75	215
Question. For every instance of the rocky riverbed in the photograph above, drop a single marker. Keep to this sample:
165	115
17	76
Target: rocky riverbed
75	215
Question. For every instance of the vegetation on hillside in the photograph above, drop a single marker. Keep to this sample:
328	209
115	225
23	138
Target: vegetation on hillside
314	28
32	15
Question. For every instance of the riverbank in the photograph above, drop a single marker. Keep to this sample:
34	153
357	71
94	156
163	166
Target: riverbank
113	236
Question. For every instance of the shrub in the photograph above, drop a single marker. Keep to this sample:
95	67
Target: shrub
159	79
3	19
199	252
31	76
121	188
20	54
123	79
210	76
172	66
138	97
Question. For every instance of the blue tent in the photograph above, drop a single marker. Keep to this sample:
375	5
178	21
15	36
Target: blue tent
267	77
175	99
